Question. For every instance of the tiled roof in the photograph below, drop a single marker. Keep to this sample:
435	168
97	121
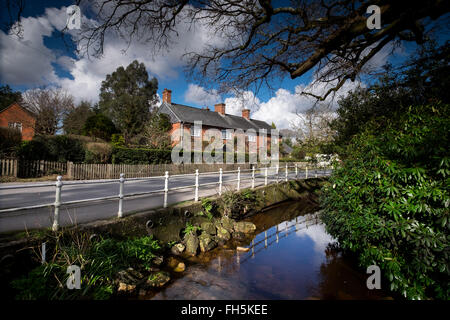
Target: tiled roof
182	113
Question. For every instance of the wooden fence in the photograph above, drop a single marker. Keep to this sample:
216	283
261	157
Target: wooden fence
31	168
85	171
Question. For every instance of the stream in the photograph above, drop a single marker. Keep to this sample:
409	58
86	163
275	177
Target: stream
290	257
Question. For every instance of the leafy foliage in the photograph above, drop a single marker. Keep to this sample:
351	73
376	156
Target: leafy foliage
75	119
389	202
98	261
424	78
8	96
126	97
236	204
140	156
99	126
53	148
191	229
209	207
10	140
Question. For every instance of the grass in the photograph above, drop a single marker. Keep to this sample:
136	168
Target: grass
99	262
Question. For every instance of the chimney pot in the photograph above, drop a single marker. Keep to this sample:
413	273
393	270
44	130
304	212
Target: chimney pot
167	96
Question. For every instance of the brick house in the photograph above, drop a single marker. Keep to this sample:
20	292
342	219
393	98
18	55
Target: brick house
182	118
16	116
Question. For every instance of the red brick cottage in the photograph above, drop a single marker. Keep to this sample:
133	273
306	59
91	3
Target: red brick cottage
182	118
16	116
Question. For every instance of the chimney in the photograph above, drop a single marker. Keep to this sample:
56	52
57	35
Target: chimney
220	108
246	114
167	96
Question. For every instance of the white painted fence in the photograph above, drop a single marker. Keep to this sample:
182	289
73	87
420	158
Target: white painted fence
272	173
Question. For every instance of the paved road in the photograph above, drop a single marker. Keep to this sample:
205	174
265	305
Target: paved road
80	213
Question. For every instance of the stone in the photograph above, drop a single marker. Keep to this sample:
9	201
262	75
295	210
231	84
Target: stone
158	260
192	244
239	235
126	288
178	249
242	249
206	242
208	227
157	279
227	223
180	267
142	292
175	264
223	233
244	226
127	280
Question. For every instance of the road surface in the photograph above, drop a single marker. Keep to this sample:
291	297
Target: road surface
31	194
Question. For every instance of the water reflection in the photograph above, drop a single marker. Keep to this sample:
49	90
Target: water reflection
291	257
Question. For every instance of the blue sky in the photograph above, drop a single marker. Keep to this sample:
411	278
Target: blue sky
42	59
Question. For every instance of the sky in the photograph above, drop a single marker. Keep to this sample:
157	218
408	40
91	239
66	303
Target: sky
41	58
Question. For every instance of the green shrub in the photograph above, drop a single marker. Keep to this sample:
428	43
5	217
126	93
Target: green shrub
389	202
97	152
99	126
99	262
117	140
10	140
140	156
53	148
237	204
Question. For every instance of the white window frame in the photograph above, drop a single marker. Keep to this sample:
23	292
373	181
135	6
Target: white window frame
196	132
251	137
226	135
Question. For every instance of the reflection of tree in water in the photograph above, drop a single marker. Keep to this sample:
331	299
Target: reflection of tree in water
341	279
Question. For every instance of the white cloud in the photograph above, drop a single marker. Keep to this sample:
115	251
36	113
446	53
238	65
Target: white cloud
29	62
285	107
201	96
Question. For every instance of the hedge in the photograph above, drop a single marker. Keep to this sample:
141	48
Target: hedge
122	155
52	148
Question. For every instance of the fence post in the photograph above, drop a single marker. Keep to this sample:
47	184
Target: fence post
296	171
265	177
196	185
286	176
239	179
315	171
220	181
16	167
253	177
277	170
69	170
57	204
166	188
121	182
306	172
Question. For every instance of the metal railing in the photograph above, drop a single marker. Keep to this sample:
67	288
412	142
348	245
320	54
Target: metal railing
299	224
268	174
